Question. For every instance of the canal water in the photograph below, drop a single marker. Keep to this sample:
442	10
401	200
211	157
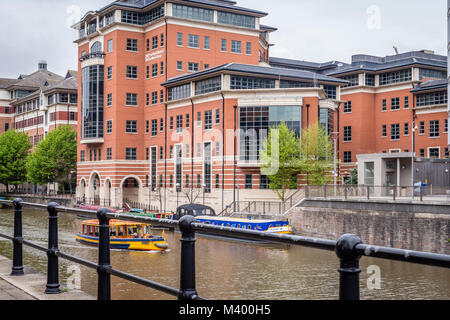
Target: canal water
226	270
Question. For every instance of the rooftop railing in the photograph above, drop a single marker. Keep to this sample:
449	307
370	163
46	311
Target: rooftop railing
349	249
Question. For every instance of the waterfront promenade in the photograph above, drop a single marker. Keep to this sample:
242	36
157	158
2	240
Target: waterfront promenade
31	286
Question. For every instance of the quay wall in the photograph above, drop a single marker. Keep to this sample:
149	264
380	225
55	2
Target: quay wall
411	226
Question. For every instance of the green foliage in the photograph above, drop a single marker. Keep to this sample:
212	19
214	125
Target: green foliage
317	155
14	150
280	156
353	179
55	158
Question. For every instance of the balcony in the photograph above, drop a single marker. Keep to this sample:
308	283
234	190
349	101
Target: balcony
92	141
93	55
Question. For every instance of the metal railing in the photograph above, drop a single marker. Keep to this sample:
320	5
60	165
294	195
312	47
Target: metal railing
349	249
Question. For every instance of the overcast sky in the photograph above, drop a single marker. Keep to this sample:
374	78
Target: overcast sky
312	30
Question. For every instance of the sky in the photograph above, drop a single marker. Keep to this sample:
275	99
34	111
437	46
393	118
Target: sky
311	30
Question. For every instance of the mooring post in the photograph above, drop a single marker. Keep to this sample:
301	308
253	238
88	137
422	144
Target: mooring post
349	267
52	286
104	259
17	268
187	273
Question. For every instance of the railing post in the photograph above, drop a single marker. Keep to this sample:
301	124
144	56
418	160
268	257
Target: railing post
345	192
395	192
349	267
187	273
104	261
368	192
17	268
52	286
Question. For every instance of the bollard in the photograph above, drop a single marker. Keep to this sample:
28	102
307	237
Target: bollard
349	267
17	268
187	273
52	286
104	260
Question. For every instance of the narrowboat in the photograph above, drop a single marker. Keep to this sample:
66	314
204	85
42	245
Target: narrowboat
124	235
206	215
4	205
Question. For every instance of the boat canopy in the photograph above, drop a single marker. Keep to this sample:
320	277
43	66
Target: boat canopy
195	210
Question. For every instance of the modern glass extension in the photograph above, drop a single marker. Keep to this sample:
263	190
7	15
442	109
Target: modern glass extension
92	102
255	123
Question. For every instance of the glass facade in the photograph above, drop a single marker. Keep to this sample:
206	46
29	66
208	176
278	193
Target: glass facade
92	101
255	123
432	98
395	77
238	20
179	92
248	83
431	74
193	13
142	18
208	85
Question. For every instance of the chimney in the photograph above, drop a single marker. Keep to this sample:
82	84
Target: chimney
42	65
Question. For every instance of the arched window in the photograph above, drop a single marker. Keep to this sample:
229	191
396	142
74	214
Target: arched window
96	47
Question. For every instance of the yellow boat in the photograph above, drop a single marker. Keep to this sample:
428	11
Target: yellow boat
124	235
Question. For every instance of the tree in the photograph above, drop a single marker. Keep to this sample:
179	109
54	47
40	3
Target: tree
55	158
280	159
14	150
316	155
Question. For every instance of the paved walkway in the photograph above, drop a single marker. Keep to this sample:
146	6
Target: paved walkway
31	286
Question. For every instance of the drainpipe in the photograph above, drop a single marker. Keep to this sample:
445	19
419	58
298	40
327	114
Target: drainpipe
192	149
234	160
223	149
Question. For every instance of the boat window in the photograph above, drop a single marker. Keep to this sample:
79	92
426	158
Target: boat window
120	231
96	231
146	230
239	225
140	231
83	229
132	231
249	227
113	232
228	224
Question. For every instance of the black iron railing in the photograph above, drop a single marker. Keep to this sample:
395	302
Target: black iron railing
349	249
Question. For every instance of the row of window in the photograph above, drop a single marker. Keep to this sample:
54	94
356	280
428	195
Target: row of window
194	42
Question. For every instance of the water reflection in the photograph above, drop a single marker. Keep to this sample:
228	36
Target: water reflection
227	270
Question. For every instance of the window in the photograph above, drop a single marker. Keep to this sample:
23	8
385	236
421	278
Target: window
154	70
207	43
384	131
109	126
446	125
130	154
131	99
370	80
110	45
434	153
193	13
395	104
132	45
161	96
161	153
422	153
193	41
193	66
369	173
208	85
330	91
431	74
108	153
422	127
395	77
154	97
248	83
395	131
434	128
161	124
147	126
171	123
347	156
236	46
406	129
131	126
432	98
353	79
217	116
109	100
179	92
109	73
406	102
188	124
179	65
446	153
248	48
161	40
217	181
154	128
199	150
188	151
142	18
147	45
179	39
208	119
161	68
147	99
248	181
347	107
147	72
223	45
132	72
384	105
217	149
179	123
82	156
154	42
347	134
264	182
234	19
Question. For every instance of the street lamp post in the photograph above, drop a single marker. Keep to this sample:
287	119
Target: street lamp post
178	190
150	196
204	188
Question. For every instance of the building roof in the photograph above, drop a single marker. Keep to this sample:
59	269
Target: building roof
366	63
256	71
36	80
431	85
224	4
5	83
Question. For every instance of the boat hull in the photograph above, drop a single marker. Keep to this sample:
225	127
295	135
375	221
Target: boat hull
155	244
